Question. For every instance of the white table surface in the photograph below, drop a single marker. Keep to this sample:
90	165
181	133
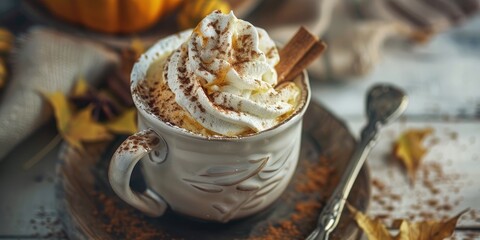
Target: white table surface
442	81
443	84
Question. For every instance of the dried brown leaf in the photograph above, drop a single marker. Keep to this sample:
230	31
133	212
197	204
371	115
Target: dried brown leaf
428	230
373	228
425	230
76	127
125	123
83	128
81	87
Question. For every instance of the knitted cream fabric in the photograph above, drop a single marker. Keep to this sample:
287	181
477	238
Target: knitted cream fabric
354	30
45	61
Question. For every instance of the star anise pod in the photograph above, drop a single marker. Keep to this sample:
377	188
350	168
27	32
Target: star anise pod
104	108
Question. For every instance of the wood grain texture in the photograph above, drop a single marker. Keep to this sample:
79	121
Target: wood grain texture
79	175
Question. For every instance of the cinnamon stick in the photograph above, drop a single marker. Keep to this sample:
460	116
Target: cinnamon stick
297	54
295	49
307	59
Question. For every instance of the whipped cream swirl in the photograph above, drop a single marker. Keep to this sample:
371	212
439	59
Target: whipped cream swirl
224	76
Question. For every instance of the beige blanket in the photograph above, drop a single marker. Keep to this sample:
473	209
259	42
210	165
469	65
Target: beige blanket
46	61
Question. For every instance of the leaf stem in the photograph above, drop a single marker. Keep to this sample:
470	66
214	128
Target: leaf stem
41	154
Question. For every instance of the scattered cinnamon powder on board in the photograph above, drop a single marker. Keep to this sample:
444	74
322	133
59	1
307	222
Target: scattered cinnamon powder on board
378	184
124	223
311	182
315	178
300	223
127	223
442	187
304	210
284	230
47	224
437	189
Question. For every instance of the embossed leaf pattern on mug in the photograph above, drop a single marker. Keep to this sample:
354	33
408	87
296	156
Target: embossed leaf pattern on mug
215	179
227	175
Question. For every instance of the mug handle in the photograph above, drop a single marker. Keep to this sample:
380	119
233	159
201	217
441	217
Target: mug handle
134	148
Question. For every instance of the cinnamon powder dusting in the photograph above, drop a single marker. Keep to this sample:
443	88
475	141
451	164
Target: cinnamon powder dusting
160	100
309	183
306	198
124	223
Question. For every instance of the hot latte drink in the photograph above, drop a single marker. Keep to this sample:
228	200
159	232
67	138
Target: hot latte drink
220	80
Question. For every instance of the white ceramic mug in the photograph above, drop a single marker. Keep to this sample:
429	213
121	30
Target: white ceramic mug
214	179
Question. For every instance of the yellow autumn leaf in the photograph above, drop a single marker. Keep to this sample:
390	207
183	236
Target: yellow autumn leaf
81	87
125	123
76	128
83	128
62	109
373	228
425	230
409	149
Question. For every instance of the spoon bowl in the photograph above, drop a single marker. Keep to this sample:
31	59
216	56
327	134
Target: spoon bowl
385	103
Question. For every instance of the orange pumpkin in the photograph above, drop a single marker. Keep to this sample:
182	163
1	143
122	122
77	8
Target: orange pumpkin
112	16
193	11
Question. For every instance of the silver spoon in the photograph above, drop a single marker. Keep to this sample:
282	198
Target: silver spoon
384	104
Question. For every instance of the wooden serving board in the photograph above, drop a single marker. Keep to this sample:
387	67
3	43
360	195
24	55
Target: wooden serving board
89	209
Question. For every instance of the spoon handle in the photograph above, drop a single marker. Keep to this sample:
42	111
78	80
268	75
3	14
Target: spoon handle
330	215
384	103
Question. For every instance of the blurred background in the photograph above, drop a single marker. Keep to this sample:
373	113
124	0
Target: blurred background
430	48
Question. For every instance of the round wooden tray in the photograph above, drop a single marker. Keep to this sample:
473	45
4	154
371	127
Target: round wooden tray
82	189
